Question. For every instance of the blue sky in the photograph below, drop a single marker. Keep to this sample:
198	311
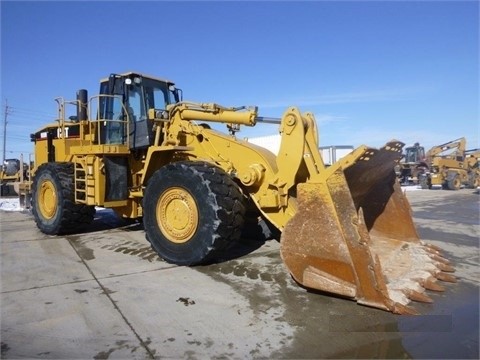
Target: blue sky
369	71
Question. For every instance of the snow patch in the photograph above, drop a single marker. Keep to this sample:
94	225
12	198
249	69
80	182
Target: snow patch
411	188
10	204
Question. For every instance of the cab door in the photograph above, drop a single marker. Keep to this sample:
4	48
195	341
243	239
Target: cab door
141	129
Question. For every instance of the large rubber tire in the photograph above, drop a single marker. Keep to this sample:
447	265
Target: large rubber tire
191	212
425	181
473	180
53	201
453	182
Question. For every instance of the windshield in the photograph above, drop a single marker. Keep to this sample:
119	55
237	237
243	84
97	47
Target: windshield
414	154
157	94
139	95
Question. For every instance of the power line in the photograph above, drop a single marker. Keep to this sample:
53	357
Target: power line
30	112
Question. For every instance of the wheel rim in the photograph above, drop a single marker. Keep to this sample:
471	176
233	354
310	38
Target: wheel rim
47	199
177	215
457	183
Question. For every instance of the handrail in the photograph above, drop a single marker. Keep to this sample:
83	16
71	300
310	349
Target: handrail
125	137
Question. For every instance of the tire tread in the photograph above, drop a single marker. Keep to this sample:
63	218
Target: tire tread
74	217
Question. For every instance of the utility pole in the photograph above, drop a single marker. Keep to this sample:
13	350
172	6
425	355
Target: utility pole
7	112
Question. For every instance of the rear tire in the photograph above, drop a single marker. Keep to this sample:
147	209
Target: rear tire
54	207
473	181
192	211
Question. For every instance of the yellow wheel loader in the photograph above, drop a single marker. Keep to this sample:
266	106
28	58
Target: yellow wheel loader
412	165
10	176
141	150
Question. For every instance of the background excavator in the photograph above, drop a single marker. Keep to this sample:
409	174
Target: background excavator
141	150
451	166
448	165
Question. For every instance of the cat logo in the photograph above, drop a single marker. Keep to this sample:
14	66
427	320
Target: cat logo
59	132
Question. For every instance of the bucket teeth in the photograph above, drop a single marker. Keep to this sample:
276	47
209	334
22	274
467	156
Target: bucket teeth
430	284
404	310
433	247
439	258
445	277
432	251
445	267
417	296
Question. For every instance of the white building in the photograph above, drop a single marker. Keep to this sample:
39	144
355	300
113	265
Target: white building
330	154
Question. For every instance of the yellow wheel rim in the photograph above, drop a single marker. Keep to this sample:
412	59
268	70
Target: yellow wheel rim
47	199
177	215
458	183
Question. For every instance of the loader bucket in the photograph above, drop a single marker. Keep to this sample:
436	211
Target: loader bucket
353	235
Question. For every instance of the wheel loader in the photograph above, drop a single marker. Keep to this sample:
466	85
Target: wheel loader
141	150
13	175
412	165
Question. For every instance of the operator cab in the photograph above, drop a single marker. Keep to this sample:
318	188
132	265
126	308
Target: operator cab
414	153
139	93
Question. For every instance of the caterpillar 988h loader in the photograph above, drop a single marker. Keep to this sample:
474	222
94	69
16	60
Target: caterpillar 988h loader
141	150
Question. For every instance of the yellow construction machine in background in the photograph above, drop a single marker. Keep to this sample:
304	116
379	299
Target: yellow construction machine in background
451	166
412	165
143	151
14	175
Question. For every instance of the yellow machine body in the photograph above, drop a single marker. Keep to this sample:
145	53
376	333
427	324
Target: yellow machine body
451	165
346	229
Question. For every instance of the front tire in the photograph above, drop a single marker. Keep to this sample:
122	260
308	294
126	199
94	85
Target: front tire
453	182
192	211
425	181
54	207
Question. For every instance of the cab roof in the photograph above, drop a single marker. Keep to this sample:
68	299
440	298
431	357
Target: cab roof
133	73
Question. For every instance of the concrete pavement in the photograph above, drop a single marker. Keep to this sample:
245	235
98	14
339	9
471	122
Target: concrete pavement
106	294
